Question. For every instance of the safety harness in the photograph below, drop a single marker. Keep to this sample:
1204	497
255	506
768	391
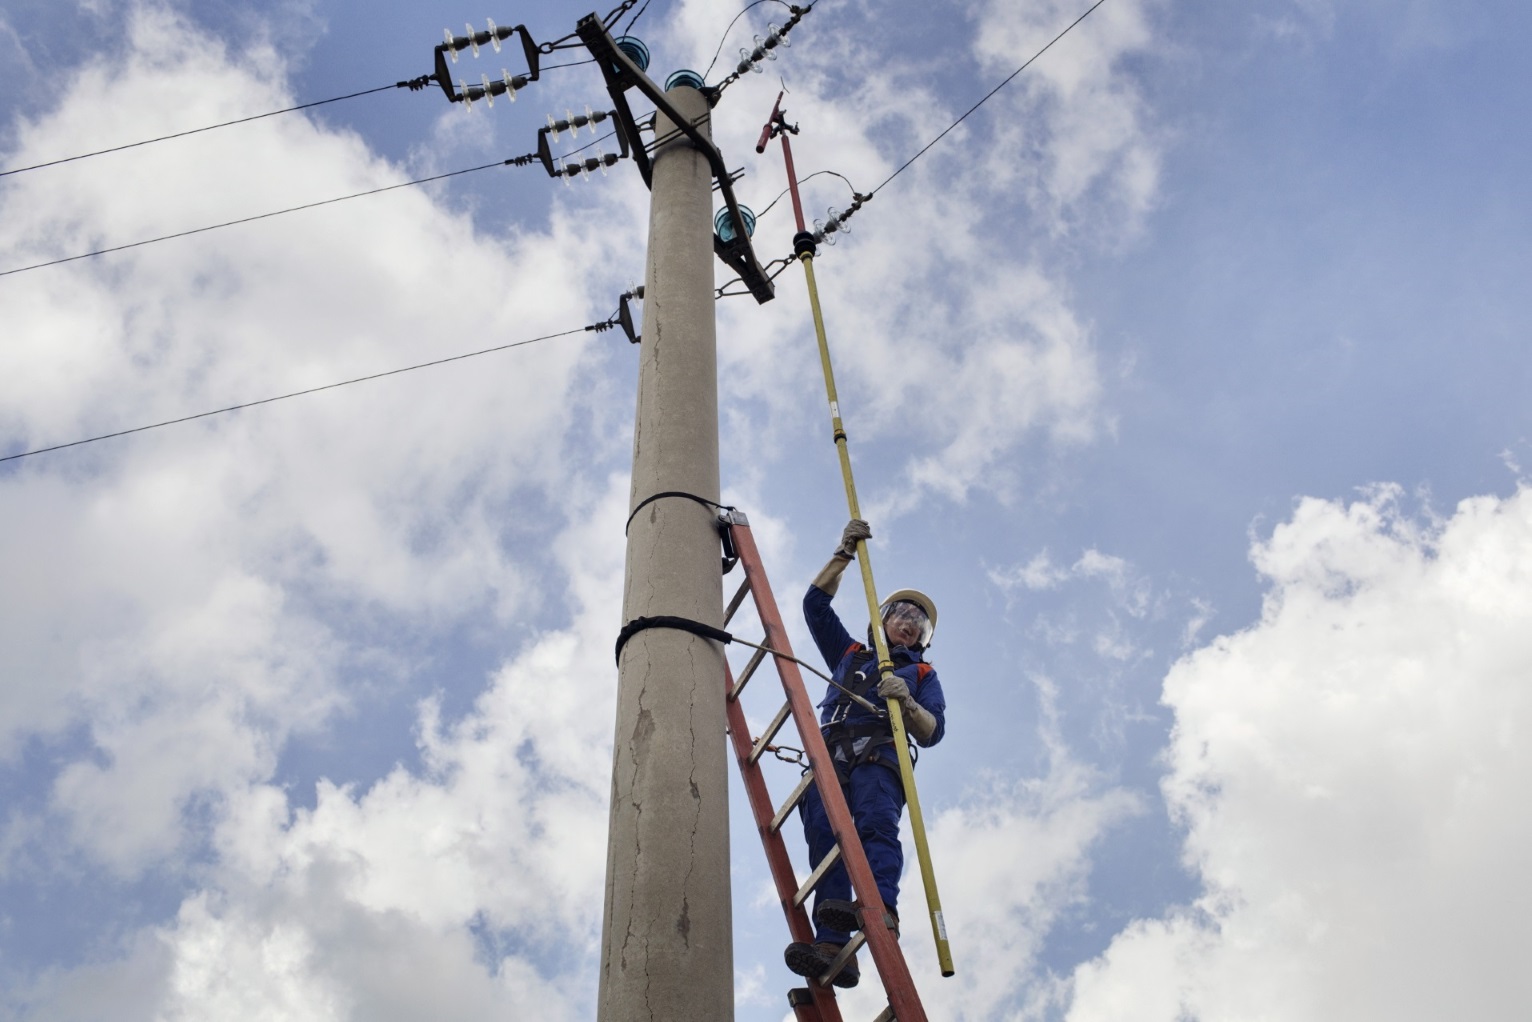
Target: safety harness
862	741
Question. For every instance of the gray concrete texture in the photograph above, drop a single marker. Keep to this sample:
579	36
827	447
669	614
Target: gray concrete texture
667	932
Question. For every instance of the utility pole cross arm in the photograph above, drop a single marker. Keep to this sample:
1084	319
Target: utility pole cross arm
622	74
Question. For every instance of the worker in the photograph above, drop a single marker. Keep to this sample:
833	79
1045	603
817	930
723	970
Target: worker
861	743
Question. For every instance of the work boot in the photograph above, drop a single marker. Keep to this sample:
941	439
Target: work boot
848	976
805	960
813	961
834	914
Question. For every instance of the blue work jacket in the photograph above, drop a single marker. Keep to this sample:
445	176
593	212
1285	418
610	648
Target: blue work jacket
838	647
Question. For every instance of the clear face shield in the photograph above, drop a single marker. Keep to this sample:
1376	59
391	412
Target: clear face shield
906	624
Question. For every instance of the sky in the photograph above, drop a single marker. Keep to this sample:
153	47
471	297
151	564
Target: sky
1188	375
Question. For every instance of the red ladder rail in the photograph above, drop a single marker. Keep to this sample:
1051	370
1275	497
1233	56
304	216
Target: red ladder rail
877	932
819	1005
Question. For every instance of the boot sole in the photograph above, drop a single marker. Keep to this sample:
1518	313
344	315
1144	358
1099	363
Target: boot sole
838	916
803	960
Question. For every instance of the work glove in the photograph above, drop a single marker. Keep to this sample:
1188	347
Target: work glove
893	687
919	720
855	529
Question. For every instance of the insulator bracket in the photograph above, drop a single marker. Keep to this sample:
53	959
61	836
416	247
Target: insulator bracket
495	34
622	74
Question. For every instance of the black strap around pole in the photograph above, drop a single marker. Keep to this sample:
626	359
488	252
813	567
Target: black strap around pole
683	624
675	493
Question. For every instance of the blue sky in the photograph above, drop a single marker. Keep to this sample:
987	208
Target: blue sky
1188	375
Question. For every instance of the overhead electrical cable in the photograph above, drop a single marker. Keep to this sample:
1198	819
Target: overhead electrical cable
761	215
518	161
413	85
572	63
725	38
750	59
988	94
636	15
600	327
258	216
720	292
311	390
723	290
615	15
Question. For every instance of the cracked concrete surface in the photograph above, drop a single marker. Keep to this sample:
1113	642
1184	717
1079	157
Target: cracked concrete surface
667	945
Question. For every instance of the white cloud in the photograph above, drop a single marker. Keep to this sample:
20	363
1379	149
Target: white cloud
1092	153
1350	774
186	602
311	954
194	599
1011	858
367	905
1118	621
196	596
750	986
504	828
1304	21
1038	574
1202	613
953	342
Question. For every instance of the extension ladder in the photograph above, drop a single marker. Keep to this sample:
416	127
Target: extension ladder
816	1002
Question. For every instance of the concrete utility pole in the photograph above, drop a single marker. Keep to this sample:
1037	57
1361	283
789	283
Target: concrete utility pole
667	933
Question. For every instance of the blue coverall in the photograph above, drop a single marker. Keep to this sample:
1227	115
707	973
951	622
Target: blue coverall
875	791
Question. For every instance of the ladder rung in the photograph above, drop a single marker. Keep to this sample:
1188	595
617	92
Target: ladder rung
744	677
846	954
813	881
739	598
771	732
799	995
887	1015
792	800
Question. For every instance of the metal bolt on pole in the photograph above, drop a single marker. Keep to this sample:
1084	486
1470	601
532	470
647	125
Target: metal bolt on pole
667	933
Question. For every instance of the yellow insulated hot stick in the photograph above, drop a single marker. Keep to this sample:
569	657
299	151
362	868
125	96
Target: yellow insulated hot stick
803	246
880	642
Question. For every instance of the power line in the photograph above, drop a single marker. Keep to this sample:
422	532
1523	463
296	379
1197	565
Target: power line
720	292
615	15
634	20
761	215
311	390
260	216
723	290
987	95
516	161
601	327
725	38
751	59
572	63
413	85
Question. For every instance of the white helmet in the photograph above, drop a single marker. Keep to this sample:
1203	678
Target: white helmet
915	602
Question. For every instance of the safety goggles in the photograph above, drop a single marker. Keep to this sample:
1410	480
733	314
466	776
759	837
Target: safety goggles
907	612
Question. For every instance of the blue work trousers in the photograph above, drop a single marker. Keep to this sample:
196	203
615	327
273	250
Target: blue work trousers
876	797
